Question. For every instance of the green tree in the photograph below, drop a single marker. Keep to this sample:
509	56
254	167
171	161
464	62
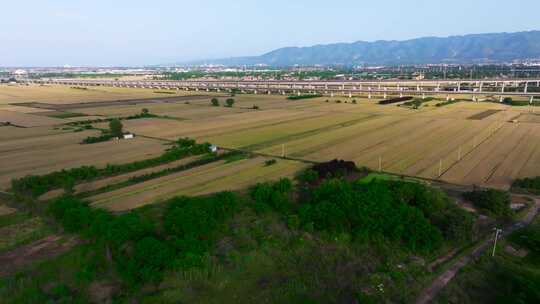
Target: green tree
215	102
229	102
116	128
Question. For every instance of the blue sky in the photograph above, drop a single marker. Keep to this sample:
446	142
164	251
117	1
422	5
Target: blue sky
134	32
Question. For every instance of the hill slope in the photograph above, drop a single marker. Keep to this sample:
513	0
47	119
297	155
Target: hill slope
476	48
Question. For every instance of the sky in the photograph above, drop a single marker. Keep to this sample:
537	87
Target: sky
135	32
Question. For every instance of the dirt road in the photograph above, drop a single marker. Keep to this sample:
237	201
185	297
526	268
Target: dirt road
442	280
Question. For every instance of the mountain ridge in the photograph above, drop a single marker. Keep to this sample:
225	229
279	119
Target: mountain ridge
470	48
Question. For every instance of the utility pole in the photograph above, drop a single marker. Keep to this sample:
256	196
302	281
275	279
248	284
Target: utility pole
440	168
283	150
380	163
497	233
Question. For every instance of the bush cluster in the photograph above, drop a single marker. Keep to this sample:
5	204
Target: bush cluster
140	250
307	96
493	201
529	183
411	213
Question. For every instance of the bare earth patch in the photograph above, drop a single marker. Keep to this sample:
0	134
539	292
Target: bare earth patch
49	247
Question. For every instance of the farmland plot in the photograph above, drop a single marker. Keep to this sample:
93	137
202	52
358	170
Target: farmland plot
28	120
205	179
44	154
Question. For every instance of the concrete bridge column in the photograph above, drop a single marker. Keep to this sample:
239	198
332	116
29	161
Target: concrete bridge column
332	94
526	87
459	86
481	86
531	100
447	97
423	95
501	98
350	94
502	89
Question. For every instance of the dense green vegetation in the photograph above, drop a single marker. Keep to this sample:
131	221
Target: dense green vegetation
37	185
495	202
408	213
229	102
322	241
97	139
520	103
116	128
67	115
306	96
215	102
139	251
530	183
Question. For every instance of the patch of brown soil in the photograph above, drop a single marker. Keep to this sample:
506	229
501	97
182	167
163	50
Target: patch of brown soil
49	247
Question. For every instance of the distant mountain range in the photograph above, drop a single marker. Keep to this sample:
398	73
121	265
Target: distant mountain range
476	48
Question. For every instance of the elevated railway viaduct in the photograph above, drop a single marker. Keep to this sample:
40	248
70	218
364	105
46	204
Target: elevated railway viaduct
476	88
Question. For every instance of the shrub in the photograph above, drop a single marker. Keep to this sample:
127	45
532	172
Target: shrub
229	102
215	102
270	162
97	139
306	96
495	202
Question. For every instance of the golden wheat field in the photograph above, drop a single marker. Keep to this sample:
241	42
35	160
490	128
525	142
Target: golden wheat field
482	143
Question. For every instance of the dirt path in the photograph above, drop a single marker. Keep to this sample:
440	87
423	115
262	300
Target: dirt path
49	247
443	279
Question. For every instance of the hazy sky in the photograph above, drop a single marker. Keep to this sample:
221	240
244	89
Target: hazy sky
139	32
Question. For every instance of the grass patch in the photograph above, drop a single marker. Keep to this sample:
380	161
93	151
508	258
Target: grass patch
385	177
67	115
22	232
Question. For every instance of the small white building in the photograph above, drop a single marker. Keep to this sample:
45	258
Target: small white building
213	148
129	136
